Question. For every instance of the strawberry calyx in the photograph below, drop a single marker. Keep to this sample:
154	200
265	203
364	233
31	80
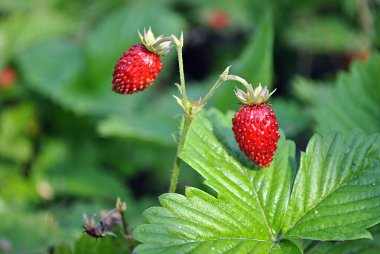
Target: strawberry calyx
253	96
160	45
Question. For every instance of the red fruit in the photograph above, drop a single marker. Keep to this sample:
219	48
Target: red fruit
7	77
256	129
218	20
135	70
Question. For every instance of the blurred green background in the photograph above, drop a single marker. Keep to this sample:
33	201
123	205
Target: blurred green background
69	145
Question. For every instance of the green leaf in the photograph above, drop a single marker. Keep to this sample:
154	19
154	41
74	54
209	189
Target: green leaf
87	244
310	91
50	77
16	227
22	29
291	117
336	194
255	63
73	169
153	123
310	34
354	101
15	189
362	246
17	126
247	215
63	248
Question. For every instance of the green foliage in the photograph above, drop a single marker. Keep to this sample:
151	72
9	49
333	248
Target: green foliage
81	79
335	196
17	230
17	127
86	244
22	29
291	118
311	35
255	63
353	102
362	246
69	145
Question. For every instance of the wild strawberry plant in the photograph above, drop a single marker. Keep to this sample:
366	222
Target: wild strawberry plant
54	164
334	194
272	207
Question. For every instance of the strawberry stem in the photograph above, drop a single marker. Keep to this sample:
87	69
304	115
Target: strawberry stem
221	79
192	108
188	117
177	160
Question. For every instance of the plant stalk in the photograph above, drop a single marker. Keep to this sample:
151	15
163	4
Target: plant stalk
177	160
124	223
181	74
188	117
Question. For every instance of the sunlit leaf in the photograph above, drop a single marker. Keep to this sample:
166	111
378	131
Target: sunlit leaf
335	196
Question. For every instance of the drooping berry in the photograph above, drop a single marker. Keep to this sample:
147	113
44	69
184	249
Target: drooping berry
255	126
137	68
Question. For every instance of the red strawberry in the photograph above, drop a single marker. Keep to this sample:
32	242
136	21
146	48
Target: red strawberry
218	20
255	126
7	77
137	68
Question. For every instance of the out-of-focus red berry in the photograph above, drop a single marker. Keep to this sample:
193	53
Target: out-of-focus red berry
218	20
7	77
360	55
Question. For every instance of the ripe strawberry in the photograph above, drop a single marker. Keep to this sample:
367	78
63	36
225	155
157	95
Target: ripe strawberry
137	68
255	126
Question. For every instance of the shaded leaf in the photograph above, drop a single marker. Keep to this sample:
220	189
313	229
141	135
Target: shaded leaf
18	124
18	225
362	246
310	34
291	117
354	101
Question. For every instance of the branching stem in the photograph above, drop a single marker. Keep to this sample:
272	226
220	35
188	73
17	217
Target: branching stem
192	108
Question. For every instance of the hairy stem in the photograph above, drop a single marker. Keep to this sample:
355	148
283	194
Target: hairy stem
188	118
177	161
181	73
123	223
220	80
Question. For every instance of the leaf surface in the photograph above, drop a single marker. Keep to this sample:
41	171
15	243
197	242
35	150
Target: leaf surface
335	196
245	217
